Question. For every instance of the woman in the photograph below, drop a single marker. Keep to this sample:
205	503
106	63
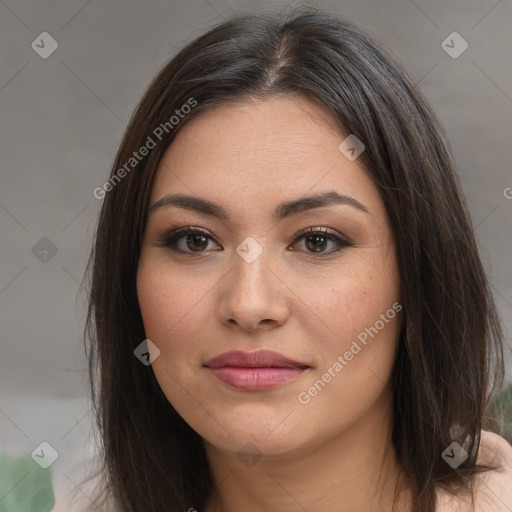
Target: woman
288	310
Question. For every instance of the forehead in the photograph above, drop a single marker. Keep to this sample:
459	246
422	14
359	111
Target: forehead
258	151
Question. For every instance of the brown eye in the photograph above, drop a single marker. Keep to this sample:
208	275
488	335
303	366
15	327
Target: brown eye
185	240
196	242
317	241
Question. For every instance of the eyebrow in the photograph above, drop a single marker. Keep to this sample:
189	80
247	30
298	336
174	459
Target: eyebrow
286	209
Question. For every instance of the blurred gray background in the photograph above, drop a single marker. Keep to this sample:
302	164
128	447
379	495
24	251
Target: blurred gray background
63	115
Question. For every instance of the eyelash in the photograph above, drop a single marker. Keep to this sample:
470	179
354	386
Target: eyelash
168	239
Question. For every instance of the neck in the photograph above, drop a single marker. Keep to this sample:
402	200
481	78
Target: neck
356	470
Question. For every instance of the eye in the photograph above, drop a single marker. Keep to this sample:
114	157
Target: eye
185	239
188	239
317	239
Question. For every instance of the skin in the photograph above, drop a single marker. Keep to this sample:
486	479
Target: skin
249	157
493	489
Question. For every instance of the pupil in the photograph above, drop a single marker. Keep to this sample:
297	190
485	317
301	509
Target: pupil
199	239
317	239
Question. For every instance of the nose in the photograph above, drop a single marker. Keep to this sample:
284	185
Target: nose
252	295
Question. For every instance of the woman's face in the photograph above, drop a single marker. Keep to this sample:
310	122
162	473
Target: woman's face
247	280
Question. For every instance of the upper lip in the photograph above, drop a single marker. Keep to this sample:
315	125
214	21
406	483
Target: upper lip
258	359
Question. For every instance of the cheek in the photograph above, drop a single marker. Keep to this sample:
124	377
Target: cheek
173	305
354	300
174	308
356	355
360	313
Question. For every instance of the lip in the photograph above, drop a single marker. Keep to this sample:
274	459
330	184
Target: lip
258	359
254	371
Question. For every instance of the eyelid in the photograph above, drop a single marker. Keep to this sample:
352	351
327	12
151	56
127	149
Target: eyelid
327	232
166	237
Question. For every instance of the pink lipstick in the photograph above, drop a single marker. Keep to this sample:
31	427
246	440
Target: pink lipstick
255	371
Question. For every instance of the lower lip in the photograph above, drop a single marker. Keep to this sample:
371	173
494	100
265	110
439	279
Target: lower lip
256	379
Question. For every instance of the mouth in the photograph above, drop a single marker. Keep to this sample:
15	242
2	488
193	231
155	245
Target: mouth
255	371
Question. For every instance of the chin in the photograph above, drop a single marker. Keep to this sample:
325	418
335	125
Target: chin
260	431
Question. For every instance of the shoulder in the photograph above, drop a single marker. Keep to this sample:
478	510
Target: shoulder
493	489
494	449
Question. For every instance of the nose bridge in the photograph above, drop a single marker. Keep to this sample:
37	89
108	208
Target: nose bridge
250	265
252	294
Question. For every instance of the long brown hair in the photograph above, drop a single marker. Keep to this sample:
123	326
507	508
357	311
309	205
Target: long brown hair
449	355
